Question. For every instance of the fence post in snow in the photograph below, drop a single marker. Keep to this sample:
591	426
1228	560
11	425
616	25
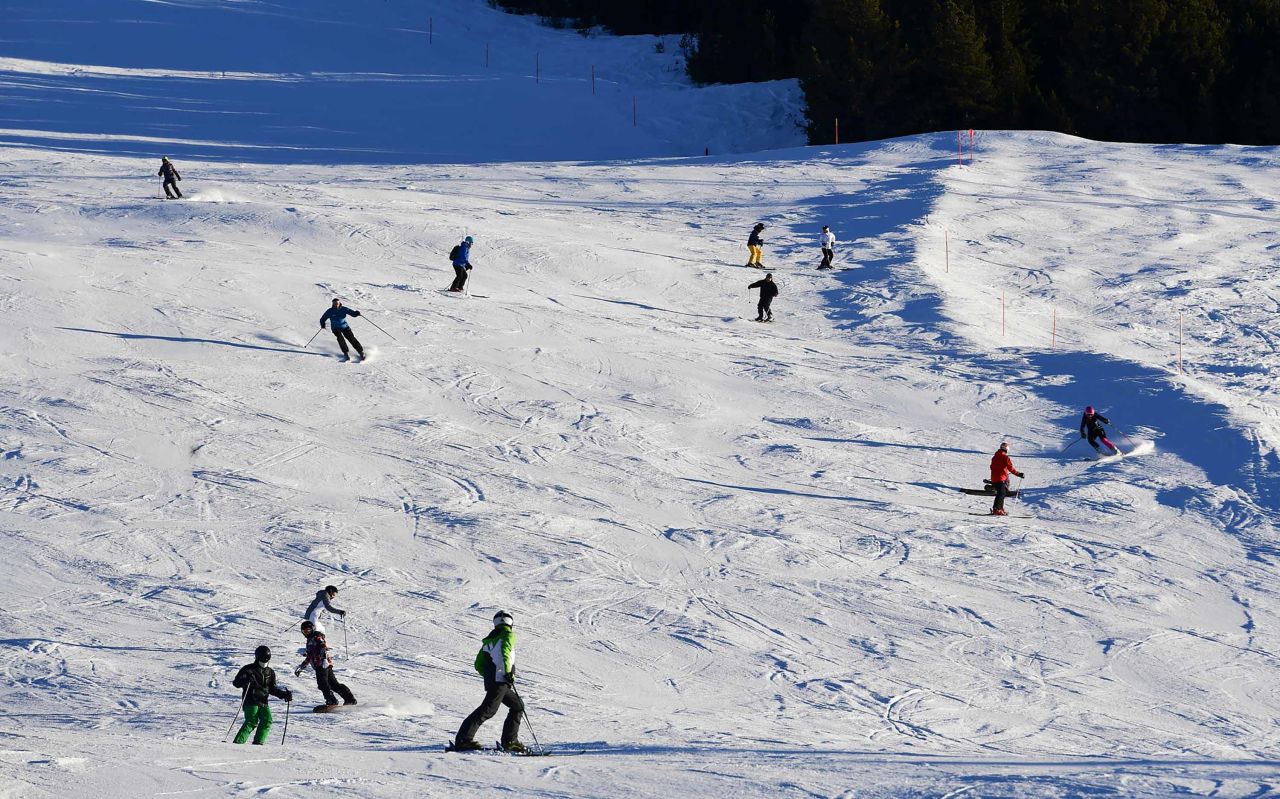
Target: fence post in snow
959	149
970	146
837	130
431	30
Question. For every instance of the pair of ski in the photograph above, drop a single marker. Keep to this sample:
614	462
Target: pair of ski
497	749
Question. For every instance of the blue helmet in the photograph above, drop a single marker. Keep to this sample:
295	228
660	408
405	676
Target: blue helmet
469	240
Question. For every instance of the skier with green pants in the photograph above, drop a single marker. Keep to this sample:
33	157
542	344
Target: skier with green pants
496	662
257	682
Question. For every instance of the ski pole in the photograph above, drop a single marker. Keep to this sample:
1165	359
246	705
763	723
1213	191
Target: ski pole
525	712
385	333
243	695
287	705
1126	438
346	651
1072	444
1017	492
290	627
313	338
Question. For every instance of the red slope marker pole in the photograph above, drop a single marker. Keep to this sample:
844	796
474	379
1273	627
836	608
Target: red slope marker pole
1179	343
837	130
959	150
971	146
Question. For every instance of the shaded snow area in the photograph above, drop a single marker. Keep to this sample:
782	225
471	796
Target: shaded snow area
735	552
379	81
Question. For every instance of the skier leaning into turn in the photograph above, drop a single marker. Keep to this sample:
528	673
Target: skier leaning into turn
257	682
171	177
321	602
496	662
1091	427
336	316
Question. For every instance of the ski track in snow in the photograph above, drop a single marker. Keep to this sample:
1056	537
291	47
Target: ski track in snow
736	554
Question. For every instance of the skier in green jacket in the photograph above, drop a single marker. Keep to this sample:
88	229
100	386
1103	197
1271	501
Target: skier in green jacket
496	662
257	682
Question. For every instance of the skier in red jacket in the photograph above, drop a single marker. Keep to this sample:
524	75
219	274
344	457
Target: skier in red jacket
1001	467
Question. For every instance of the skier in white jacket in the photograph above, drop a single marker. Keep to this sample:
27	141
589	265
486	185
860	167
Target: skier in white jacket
828	240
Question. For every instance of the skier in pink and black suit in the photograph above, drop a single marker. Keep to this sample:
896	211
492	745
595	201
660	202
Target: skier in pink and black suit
1091	427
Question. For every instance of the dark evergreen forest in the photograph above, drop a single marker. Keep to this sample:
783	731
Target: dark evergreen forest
1119	70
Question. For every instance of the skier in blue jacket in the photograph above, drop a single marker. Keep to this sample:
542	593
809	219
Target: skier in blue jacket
461	263
336	316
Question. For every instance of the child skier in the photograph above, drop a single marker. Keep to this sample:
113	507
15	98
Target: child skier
496	662
1091	427
828	240
342	328
768	290
318	658
755	245
257	682
171	178
321	602
1001	468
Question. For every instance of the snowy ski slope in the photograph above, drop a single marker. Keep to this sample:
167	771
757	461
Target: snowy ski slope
735	552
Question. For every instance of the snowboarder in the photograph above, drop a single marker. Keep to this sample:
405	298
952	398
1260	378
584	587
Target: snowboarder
768	290
337	314
460	257
1001	467
321	602
1091	427
828	240
755	245
496	662
257	682
171	178
319	659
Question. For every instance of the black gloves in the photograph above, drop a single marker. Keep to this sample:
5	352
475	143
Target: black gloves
511	679
297	672
288	695
468	267
355	313
1021	475
342	613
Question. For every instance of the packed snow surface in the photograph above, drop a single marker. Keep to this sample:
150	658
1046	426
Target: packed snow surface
736	553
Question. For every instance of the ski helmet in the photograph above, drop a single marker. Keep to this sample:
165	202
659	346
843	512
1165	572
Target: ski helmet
1004	445
262	654
502	617
469	240
331	589
1088	410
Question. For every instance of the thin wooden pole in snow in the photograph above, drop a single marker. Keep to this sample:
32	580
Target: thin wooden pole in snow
431	30
1179	343
537	68
633	111
837	130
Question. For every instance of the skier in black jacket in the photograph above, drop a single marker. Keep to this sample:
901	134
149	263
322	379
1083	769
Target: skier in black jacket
257	682
768	290
171	178
755	245
1091	426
